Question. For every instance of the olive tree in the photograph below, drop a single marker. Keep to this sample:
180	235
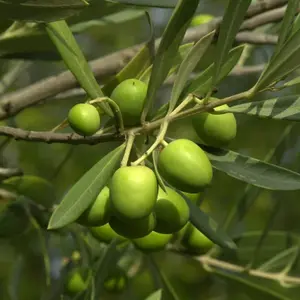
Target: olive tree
140	213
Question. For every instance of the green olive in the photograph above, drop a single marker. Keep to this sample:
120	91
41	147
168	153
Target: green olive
154	241
99	212
84	119
105	234
133	192
75	283
194	240
201	19
130	96
116	282
171	211
185	166
215	130
133	229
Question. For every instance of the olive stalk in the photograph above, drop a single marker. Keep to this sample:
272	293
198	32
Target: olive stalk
159	139
116	111
183	104
129	144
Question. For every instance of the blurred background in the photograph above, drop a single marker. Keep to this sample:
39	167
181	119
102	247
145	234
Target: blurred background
23	245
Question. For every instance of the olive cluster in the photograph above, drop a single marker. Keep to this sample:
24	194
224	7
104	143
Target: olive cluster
133	206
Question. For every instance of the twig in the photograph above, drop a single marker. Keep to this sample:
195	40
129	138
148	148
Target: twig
12	103
212	262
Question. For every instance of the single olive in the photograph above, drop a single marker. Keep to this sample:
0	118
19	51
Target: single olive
154	241
171	211
75	283
194	240
84	119
133	192
133	229
185	166
130	96
105	234
116	282
99	212
201	19
215	130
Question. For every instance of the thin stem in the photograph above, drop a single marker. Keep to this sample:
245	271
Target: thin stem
159	139
164	143
116	111
129	144
182	105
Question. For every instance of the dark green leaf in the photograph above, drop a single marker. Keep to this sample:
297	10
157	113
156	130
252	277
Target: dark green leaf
151	3
63	39
286	24
232	20
187	66
86	189
181	54
253	171
40	10
168	48
296	26
281	108
157	295
202	83
208	226
36	188
282	64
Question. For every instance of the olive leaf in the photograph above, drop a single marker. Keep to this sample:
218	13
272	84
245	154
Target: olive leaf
281	108
150	3
85	190
180	55
187	66
207	225
168	48
157	295
202	83
232	20
40	10
280	65
253	171
62	37
287	24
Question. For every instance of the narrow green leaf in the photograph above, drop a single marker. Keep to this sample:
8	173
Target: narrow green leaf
36	188
281	260
232	20
253	171
208	226
281	108
62	37
168	48
282	64
187	66
85	190
157	295
292	82
39	10
181	54
287	23
202	83
275	243
151	3
295	27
